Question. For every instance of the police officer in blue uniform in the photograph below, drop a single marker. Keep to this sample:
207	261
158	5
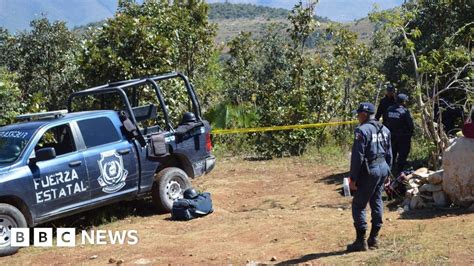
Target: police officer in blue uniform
386	101
370	165
400	123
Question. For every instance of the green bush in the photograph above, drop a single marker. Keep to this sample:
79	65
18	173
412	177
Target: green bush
10	97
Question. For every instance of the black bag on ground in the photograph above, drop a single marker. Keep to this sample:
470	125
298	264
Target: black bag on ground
189	208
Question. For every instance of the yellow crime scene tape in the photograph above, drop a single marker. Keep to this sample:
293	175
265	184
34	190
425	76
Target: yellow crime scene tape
278	128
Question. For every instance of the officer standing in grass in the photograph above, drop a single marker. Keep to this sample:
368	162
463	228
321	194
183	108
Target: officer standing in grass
400	123
386	102
370	164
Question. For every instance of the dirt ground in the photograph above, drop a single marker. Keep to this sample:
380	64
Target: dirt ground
279	211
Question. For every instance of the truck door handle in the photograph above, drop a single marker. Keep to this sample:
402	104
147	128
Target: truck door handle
75	163
124	151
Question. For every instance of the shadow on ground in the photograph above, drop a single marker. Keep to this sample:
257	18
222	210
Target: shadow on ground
106	214
257	158
311	257
393	204
334	178
346	206
434	213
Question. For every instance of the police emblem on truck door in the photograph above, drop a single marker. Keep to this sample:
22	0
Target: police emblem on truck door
113	174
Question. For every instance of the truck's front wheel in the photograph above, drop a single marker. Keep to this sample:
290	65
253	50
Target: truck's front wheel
10	217
169	185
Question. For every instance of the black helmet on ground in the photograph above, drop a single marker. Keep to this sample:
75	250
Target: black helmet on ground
190	193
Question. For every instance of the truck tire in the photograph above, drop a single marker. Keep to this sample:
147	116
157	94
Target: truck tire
169	185
10	217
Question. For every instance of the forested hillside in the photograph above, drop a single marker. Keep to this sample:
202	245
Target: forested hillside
249	11
296	71
231	19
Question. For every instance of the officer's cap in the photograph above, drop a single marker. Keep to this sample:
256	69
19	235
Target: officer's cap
365	108
390	88
402	97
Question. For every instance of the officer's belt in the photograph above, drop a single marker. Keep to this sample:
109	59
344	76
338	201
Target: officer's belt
377	160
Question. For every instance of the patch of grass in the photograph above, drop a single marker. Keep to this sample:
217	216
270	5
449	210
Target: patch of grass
329	154
333	149
232	145
425	242
399	247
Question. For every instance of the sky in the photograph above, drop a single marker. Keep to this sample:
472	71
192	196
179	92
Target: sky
338	10
16	14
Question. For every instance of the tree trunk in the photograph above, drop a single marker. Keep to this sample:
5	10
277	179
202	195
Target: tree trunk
429	129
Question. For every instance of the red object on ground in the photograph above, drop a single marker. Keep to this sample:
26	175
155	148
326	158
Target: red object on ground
468	129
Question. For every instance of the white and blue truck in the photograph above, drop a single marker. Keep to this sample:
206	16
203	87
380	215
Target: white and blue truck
59	163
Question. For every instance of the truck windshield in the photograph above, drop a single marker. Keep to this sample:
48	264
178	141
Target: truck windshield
12	143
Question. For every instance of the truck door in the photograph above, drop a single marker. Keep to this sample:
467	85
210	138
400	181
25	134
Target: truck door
59	183
193	141
111	159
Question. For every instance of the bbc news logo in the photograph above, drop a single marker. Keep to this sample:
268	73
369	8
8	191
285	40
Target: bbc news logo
66	237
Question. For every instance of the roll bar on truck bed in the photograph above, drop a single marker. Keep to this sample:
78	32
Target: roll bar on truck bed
120	87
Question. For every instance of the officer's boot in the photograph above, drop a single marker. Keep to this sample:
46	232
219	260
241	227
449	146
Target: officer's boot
372	241
359	244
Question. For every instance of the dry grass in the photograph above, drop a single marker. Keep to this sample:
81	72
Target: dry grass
290	209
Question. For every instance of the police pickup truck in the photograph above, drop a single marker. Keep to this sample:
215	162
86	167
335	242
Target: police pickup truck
59	163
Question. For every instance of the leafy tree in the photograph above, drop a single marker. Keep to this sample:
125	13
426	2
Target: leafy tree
226	115
282	97
354	65
288	85
274	80
237	107
129	45
155	37
149	38
10	97
302	26
209	83
439	57
45	63
6	51
240	68
193	35
195	53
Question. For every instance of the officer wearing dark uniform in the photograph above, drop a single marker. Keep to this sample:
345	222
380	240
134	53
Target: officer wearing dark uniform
451	115
386	101
370	165
400	123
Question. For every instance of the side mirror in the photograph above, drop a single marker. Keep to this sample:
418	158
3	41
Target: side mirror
45	154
